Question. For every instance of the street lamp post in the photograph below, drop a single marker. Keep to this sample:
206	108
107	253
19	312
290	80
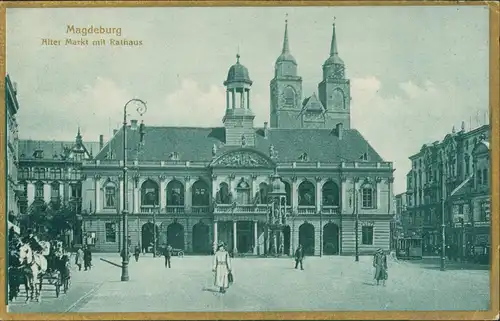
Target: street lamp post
141	109
154	231
443	226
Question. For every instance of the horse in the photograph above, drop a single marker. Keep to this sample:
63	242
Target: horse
34	266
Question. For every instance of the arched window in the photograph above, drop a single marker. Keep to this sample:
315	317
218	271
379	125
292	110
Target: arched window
243	193
223	195
478	177
38	190
307	194
368	196
200	194
175	193
485	177
263	190
289	95
149	193
54	192
330	194
110	195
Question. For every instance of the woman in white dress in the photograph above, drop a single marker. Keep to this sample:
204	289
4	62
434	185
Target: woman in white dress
221	267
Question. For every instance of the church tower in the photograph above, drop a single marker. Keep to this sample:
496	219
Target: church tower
334	90
238	120
286	89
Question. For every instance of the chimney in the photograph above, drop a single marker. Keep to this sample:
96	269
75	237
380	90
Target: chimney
133	124
340	130
101	142
115	131
265	129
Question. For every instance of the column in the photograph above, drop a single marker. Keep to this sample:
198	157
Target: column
215	233
377	184
214	187
235	237
248	98
255	237
390	181
97	188
294	202
31	193
137	191
162	193
187	195
234	97
318	194
46	192
242	102
121	198
227	99
343	194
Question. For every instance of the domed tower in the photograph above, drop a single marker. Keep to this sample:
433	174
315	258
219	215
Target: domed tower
239	117
334	90
286	89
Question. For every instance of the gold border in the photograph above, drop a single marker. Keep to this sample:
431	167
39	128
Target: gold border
494	73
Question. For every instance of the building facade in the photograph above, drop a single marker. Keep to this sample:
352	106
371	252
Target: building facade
445	175
196	186
12	192
50	172
398	223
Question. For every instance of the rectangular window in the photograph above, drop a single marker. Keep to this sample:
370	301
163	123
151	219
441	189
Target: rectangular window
461	209
110	232
54	193
367	235
367	197
110	197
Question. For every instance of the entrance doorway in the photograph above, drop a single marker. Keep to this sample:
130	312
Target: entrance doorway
175	236
147	237
245	236
201	239
306	238
330	239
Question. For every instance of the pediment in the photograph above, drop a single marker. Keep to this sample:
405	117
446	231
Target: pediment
243	158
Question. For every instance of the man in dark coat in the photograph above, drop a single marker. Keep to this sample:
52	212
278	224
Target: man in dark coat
299	257
87	258
168	255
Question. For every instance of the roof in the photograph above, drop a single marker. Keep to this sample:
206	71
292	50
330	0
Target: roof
312	103
196	144
52	149
238	73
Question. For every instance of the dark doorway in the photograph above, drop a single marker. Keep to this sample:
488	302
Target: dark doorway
245	236
330	239
201	239
147	236
175	236
286	239
306	238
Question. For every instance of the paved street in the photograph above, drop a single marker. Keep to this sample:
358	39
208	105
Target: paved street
328	283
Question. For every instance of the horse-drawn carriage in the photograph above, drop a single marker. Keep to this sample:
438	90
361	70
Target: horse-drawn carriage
43	268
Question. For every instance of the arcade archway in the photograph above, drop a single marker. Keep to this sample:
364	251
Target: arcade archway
306	238
201	238
175	236
330	239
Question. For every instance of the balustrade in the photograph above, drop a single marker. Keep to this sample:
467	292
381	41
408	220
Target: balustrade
306	210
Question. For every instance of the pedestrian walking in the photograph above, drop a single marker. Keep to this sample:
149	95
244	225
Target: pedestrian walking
380	265
168	254
137	251
87	258
79	258
299	257
222	268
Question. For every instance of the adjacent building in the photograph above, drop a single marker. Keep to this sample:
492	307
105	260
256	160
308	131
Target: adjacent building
456	171
195	186
50	172
12	192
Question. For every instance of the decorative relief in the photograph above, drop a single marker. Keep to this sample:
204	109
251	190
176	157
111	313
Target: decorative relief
390	180
120	177
318	178
378	179
254	176
294	178
97	177
214	177
84	176
356	179
162	178
343	178
232	176
187	178
242	159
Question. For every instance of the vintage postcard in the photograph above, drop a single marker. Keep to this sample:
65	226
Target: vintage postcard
250	161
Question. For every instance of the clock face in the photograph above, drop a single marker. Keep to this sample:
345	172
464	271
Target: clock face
338	99
338	71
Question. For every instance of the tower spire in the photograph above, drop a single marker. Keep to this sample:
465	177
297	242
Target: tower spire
286	46
333	48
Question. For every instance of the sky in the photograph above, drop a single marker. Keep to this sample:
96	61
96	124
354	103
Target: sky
415	71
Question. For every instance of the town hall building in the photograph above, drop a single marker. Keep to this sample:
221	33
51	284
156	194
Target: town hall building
197	186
